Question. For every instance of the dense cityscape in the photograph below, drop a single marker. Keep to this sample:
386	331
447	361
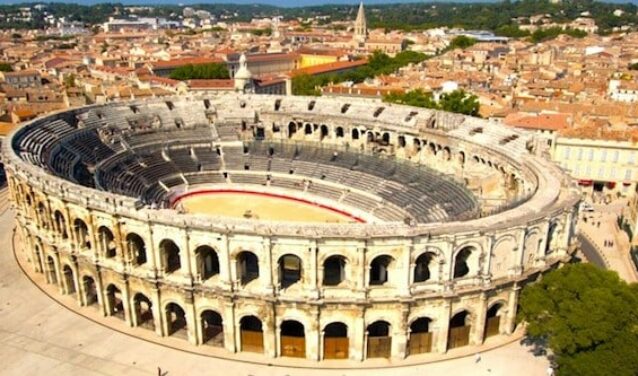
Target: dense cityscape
484	130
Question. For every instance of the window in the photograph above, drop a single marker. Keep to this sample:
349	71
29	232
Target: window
591	154
632	157
612	173
628	174
566	152
601	172
616	155
603	156
580	154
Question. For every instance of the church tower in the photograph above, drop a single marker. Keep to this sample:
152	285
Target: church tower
360	27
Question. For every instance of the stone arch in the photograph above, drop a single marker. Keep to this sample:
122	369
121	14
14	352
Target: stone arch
421	336
533	241
336	343
89	288
143	309
60	224
339	133
292	339
552	242
251	334
170	256
212	328
43	215
493	318
292	129
379	343
290	270
324	131
424	267
380	270
207	262
51	270
136	248
460	328
176	323
463	261
81	233
106	242
114	301
247	267
69	279
354	134
334	270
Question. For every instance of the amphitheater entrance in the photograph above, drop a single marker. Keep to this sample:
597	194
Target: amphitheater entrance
51	274
247	267
90	291
212	328
493	320
336	343
252	334
420	336
69	281
459	334
115	304
207	262
293	339
379	340
143	311
136	248
176	321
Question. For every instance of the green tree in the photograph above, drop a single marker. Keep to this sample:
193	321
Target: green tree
201	71
418	98
461	42
460	102
588	317
6	67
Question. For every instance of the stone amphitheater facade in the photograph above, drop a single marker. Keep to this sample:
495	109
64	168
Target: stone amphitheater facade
385	288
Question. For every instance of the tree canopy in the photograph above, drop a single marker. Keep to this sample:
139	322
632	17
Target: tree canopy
589	318
457	101
200	71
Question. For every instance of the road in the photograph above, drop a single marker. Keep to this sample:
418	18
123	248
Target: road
590	252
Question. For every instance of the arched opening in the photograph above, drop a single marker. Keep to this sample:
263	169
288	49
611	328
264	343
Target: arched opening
334	270
289	270
493	320
379	340
336	344
169	253
401	141
60	224
379	270
461	267
52	276
212	328
143	311
420	336
252	334
370	137
422	267
355	134
307	128
90	290
176	320
324	131
136	248
247	267
106	241
81	234
459	334
293	339
115	304
207	262
551	238
417	144
43	216
339	132
292	129
69	280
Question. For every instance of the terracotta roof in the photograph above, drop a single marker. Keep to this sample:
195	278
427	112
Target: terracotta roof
211	84
546	122
329	67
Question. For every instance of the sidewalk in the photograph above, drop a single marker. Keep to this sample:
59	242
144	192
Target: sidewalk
602	226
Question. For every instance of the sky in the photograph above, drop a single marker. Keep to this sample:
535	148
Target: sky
283	3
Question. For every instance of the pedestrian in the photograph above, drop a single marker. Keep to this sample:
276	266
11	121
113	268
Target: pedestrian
477	357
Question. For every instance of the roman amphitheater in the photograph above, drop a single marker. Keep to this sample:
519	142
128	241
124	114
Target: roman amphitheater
316	228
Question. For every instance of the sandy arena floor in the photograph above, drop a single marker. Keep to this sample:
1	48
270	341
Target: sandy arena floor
259	206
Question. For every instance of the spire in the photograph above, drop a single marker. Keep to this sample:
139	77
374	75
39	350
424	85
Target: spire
360	27
243	77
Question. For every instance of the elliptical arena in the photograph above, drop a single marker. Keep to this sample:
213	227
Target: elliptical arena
428	223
